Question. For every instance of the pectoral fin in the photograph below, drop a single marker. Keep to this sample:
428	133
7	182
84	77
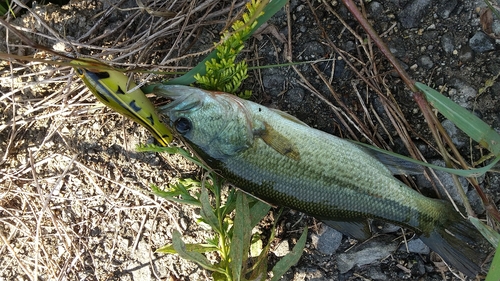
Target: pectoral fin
278	142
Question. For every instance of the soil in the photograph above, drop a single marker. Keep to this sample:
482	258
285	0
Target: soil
75	201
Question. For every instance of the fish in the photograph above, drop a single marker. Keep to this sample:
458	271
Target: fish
279	159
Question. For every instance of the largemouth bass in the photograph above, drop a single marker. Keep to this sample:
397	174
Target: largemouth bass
279	159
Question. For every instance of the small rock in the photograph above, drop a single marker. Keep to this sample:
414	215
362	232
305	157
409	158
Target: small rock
375	273
340	70
349	46
415	246
475	202
329	241
283	249
307	273
425	62
447	43
272	79
444	10
466	54
313	50
397	47
481	43
418	269
139	271
376	10
372	252
295	96
384	227
495	27
458	137
123	242
462	93
183	223
413	13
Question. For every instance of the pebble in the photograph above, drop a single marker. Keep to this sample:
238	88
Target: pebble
375	273
412	14
425	62
447	43
481	43
466	54
495	27
272	79
458	137
141	255
372	252
283	249
415	246
295	96
461	93
314	50
341	71
446	8
397	47
376	10
384	227
329	241
307	273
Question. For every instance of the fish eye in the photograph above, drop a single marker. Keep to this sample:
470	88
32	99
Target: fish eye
182	125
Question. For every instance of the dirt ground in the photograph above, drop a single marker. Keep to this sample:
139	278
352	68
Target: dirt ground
75	200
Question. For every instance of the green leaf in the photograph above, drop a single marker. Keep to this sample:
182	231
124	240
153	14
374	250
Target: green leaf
207	211
196	257
258	211
240	241
174	192
171	150
259	268
230	203
256	245
489	233
291	258
217	276
474	127
199	248
494	272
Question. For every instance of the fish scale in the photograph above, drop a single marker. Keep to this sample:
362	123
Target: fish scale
311	179
279	159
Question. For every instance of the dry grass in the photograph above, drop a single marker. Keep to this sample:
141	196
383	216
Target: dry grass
74	201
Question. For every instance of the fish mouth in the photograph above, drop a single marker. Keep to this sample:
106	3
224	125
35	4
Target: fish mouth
183	98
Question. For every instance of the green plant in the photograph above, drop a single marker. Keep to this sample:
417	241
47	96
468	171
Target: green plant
242	256
4	7
223	73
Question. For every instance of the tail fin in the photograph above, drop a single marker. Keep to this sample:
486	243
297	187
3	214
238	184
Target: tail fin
455	241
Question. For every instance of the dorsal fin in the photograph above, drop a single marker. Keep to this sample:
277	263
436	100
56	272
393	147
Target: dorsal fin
288	116
278	142
396	165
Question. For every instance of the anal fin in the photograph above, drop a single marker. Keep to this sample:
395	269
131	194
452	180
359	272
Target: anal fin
358	229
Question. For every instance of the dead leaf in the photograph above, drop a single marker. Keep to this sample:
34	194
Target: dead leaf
486	19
